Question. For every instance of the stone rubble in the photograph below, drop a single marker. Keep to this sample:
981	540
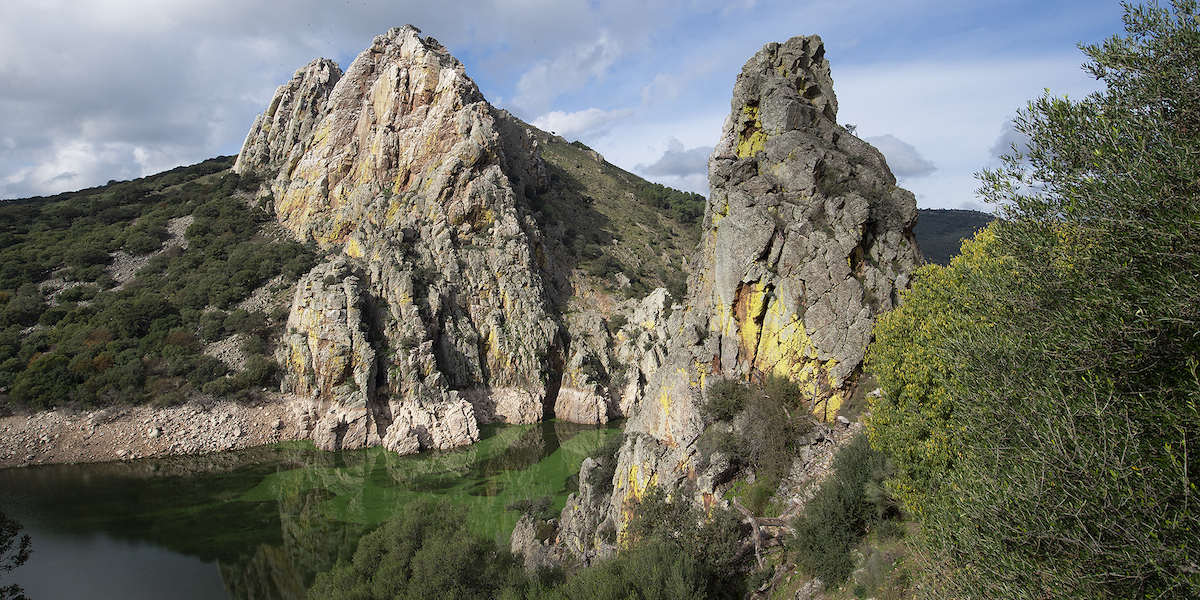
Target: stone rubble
131	432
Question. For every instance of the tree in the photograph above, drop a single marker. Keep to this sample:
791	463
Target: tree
1046	384
10	557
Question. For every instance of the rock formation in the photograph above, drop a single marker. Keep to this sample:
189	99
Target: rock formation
436	305
441	304
806	238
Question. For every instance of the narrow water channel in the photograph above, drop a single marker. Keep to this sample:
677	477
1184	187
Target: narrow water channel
261	523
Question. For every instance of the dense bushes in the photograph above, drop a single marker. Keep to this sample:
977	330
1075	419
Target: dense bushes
685	207
426	551
1041	392
837	517
755	427
714	539
96	345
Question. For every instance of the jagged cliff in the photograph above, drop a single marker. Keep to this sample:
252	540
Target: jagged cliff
441	305
434	304
806	238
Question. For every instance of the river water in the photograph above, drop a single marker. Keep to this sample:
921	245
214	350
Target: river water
261	523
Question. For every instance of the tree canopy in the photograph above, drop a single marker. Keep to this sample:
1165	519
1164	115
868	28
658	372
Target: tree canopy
1041	392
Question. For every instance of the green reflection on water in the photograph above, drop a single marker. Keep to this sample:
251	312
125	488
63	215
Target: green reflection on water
275	516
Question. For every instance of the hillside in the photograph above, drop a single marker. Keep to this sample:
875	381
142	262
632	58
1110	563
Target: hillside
175	286
941	231
618	227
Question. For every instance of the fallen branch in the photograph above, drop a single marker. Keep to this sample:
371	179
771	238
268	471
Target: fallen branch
756	532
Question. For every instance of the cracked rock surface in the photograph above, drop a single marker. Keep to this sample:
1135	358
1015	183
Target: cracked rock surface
806	239
430	318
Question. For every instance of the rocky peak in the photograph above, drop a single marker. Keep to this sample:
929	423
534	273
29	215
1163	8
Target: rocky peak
288	121
808	237
432	309
805	239
403	119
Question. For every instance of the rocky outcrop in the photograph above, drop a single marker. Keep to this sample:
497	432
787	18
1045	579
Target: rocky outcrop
806	239
808	236
325	354
289	120
612	356
436	306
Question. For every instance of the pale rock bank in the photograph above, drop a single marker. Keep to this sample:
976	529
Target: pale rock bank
130	432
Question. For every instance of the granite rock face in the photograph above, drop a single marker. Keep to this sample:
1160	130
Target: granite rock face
401	170
806	239
808	236
289	120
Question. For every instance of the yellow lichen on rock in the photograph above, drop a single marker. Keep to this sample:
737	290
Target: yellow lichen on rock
752	138
751	306
353	248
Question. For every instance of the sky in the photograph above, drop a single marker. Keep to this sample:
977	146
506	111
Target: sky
97	90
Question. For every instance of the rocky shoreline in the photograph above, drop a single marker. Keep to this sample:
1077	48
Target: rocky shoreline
130	432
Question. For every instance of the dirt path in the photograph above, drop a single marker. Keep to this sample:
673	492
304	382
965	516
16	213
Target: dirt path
120	433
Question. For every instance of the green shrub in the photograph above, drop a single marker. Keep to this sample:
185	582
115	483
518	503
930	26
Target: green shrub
725	398
260	371
254	344
212	325
615	323
539	508
655	570
717	438
141	243
835	520
713	540
425	551
767	436
783	390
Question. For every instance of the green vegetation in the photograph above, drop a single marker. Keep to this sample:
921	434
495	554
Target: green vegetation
685	207
611	222
601	476
839	515
427	551
756	428
70	334
1041	391
704	549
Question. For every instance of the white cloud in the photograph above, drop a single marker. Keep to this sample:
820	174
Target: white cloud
679	167
678	162
590	123
1009	138
904	160
183	80
950	110
571	69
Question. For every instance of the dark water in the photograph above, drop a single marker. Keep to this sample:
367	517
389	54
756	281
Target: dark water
261	523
